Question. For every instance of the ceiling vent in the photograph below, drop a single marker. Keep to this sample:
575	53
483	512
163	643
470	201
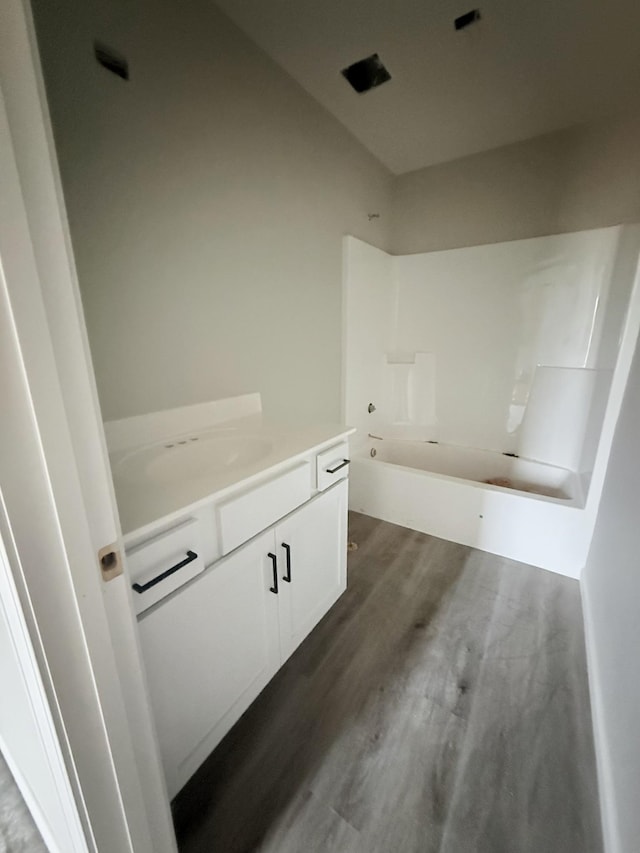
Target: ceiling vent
111	60
366	74
467	19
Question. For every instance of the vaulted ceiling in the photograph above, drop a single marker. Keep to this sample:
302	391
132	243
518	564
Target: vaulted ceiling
527	67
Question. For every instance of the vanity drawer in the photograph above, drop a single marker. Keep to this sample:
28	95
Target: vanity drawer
245	515
162	564
332	465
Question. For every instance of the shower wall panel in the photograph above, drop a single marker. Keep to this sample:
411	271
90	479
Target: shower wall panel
461	346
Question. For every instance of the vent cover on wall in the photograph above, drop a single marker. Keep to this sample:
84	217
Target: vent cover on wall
366	74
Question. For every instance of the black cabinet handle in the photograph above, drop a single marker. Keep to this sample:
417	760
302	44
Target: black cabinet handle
287	549
191	556
338	467
274	559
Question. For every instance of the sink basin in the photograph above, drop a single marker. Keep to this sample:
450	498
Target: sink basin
193	457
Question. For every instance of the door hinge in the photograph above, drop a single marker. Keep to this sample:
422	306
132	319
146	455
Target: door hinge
110	562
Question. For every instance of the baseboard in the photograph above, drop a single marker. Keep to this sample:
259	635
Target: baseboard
608	809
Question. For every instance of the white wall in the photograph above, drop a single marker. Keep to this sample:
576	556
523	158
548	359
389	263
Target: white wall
209	194
611	592
581	178
368	307
207	198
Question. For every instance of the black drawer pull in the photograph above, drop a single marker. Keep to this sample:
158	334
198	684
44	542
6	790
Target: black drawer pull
274	560
287	549
338	467
191	556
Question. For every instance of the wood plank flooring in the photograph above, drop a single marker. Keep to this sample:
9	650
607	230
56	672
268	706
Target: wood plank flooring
440	707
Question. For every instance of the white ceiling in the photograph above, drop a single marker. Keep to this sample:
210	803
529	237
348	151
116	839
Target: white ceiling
526	68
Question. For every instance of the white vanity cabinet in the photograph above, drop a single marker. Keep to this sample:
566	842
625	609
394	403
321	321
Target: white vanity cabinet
211	646
311	545
208	651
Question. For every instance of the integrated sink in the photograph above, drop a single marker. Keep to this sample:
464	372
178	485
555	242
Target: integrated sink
170	461
192	457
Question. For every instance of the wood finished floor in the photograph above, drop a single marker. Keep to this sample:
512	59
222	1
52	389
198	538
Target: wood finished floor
440	707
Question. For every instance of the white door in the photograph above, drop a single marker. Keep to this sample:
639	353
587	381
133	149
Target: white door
56	485
312	556
28	739
227	623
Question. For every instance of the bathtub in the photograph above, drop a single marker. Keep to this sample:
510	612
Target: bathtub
531	512
468	463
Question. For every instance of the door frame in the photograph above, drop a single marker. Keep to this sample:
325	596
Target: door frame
57	486
57	817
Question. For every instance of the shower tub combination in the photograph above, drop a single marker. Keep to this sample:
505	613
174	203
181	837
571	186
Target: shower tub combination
522	346
530	512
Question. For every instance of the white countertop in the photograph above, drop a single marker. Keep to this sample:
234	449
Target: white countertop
145	501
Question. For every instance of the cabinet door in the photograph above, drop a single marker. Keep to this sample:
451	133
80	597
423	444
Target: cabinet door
209	650
315	538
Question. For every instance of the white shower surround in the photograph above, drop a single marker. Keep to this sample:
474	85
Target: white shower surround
447	502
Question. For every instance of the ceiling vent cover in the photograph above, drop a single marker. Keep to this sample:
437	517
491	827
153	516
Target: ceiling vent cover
467	19
366	74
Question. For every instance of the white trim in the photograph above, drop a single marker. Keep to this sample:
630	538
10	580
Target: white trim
25	656
32	803
606	793
58	491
